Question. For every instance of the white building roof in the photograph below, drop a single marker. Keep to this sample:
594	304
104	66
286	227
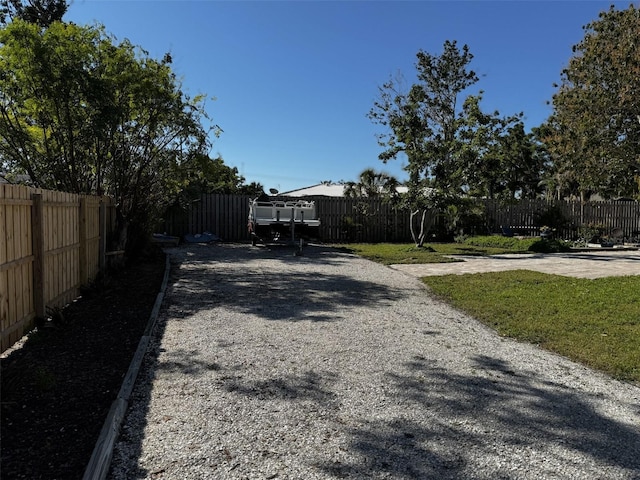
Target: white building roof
325	189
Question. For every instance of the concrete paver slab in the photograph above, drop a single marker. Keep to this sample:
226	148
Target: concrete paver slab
596	264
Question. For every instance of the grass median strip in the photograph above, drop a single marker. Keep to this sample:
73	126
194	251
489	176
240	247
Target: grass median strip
595	322
393	253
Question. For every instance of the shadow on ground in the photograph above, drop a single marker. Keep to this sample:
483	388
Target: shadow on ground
456	424
591	257
279	291
497	412
208	277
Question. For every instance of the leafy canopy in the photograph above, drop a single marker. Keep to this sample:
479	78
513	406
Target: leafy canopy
593	131
451	146
422	123
82	114
372	184
39	12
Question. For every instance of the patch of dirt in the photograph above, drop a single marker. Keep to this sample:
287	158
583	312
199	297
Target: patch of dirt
57	388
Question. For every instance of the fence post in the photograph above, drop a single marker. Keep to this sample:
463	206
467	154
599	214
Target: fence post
103	236
83	264
37	225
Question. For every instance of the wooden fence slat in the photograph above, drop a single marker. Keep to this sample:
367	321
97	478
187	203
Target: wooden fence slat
38	252
102	218
3	226
4	290
5	322
10	231
83	252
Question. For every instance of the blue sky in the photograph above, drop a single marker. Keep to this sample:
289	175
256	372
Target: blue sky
291	82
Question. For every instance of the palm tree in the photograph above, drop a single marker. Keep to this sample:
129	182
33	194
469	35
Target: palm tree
372	184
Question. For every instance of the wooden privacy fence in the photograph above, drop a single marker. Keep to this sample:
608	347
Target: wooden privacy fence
342	219
51	243
569	216
370	220
224	215
361	220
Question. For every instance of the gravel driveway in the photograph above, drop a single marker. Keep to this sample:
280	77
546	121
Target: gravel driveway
267	365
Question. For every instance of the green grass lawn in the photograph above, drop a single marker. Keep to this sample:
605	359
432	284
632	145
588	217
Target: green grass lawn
595	322
390	253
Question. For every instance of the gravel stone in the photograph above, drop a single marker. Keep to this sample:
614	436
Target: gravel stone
267	365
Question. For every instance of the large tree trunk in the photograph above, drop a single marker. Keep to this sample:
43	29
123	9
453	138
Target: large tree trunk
425	223
121	233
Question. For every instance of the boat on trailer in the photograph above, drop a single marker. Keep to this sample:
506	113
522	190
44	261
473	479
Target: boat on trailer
282	220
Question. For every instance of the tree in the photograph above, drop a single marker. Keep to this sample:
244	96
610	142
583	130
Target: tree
205	175
372	184
481	149
593	131
424	125
81	114
524	162
39	12
560	180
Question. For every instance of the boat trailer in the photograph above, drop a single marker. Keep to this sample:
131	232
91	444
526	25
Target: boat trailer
278	220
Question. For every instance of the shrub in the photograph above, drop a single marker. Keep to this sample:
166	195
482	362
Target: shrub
538	245
546	245
552	216
591	232
497	241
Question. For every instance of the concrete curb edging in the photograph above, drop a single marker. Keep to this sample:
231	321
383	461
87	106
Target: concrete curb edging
98	466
